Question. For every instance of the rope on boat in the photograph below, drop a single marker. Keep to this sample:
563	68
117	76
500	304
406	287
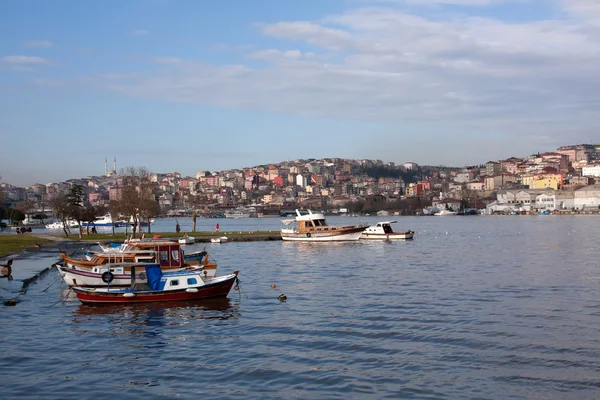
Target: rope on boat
238	287
56	279
63	299
14	300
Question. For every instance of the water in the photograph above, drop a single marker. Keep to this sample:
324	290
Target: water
474	307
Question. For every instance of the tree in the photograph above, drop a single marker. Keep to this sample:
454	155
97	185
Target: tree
60	206
113	211
76	209
195	201
138	200
89	214
26	207
149	208
2	194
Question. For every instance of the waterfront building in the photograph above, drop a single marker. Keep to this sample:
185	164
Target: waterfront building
587	198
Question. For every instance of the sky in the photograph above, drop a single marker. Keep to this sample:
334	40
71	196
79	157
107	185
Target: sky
188	86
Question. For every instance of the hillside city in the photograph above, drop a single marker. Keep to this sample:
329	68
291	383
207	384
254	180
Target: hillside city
561	180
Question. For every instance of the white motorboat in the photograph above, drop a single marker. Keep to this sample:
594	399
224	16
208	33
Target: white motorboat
59	225
313	228
383	231
221	239
186	240
444	213
103	221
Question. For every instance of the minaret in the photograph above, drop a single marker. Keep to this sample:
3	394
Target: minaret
105	166
115	165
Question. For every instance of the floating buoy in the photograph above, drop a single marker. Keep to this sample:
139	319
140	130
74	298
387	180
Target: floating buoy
236	287
282	297
273	286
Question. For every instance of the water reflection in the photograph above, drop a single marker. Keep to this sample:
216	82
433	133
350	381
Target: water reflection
161	313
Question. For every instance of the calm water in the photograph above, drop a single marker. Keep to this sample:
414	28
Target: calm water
473	308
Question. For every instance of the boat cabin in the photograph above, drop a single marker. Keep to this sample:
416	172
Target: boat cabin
381	228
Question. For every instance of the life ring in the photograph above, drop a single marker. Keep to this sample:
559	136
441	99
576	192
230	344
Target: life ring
308	234
107	277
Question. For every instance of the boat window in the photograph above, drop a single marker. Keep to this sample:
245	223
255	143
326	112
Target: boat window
175	282
175	256
309	223
164	256
192	281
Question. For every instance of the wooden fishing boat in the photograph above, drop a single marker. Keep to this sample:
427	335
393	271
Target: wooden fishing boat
120	274
78	272
130	245
173	286
383	231
313	228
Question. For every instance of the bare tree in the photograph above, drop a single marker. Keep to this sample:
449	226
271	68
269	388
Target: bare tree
60	206
138	200
26	207
2	194
114	211
42	207
89	215
76	209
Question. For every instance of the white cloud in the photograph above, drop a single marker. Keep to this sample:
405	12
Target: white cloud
485	76
24	60
279	55
41	43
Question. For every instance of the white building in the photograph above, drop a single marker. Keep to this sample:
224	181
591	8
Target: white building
410	165
587	197
301	181
591	170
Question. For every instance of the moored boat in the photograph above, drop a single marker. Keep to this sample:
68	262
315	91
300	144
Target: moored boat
59	225
118	275
313	228
175	286
445	213
220	239
383	231
104	221
185	239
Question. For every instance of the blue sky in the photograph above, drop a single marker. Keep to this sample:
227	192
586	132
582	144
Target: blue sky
204	85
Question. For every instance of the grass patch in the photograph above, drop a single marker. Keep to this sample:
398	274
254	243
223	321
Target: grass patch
12	244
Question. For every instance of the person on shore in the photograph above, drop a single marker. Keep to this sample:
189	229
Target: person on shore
18	231
6	271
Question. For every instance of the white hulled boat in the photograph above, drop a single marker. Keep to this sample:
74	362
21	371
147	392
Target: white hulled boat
384	231
313	228
444	213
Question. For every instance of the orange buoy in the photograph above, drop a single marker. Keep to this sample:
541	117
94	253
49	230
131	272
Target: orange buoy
273	286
